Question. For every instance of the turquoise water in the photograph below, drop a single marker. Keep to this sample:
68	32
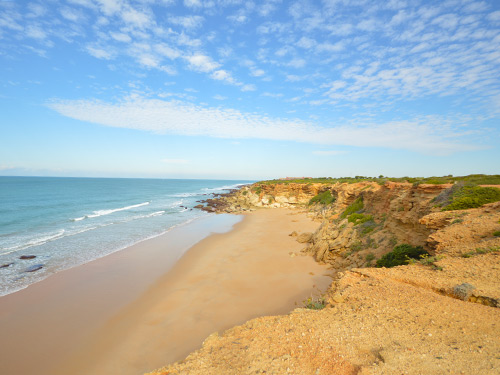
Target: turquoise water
65	222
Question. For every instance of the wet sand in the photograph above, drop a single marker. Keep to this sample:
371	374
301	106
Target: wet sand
132	312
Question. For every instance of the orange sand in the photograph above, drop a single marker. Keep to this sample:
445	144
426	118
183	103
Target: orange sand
74	322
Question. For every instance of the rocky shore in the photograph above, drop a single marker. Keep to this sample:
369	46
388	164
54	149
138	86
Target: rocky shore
437	315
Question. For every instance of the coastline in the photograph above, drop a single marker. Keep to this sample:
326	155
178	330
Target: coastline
110	325
51	318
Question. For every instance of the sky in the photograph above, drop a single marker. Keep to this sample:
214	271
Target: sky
235	89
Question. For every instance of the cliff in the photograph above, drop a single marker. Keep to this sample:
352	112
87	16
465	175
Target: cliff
433	316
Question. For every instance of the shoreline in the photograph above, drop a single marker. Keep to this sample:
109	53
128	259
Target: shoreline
78	300
98	345
117	250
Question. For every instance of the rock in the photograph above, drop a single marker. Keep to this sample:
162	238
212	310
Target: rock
27	257
293	234
463	291
34	268
338	298
6	265
304	237
198	206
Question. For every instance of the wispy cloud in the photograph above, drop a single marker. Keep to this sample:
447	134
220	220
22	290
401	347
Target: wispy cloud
428	135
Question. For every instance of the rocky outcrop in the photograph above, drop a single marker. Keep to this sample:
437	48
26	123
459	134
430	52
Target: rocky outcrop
463	231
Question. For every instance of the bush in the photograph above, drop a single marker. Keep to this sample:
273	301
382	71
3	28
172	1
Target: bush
315	303
370	257
355	206
401	255
472	197
359	218
497	233
325	198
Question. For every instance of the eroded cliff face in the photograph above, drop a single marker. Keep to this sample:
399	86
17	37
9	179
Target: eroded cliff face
394	211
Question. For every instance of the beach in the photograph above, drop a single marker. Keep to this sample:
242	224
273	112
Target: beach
141	308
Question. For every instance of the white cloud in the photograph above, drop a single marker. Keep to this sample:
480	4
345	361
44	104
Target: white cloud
164	50
188	22
297	63
193	3
99	53
148	60
70	14
121	37
110	7
202	63
223	75
257	72
248	87
306	42
494	16
35	32
136	18
427	135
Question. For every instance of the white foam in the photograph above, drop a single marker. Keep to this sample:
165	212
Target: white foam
108	212
225	187
184	195
35	242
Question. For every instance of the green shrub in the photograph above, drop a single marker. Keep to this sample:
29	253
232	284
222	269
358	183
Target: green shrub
357	246
245	192
367	229
472	197
359	218
401	255
370	257
257	190
355	206
496	233
324	198
315	303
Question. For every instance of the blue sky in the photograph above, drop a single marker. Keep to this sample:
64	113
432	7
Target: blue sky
249	89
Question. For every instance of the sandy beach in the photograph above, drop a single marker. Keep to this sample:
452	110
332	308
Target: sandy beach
142	308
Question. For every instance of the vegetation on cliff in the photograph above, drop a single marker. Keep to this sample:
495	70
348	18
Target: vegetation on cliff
469	196
401	255
324	198
476	179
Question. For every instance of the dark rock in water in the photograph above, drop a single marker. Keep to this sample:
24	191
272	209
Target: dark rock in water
209	209
34	268
6	265
27	257
198	206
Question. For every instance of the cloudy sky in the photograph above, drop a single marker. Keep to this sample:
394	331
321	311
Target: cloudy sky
249	89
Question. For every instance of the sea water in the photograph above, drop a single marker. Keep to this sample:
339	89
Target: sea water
65	222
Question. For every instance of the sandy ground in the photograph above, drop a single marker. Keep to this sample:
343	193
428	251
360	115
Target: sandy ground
378	326
75	323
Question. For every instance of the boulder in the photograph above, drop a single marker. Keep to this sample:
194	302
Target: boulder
27	257
6	265
34	268
304	237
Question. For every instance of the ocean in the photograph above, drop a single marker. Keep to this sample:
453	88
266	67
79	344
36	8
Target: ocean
65	222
